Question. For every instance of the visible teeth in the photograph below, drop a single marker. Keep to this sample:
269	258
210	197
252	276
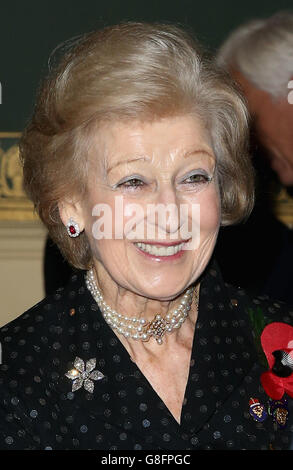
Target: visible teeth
160	250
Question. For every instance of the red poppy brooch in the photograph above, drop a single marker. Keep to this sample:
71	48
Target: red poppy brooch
277	344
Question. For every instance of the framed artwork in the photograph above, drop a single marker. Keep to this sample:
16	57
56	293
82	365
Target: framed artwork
14	204
283	207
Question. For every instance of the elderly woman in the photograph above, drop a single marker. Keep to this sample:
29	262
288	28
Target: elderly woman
135	155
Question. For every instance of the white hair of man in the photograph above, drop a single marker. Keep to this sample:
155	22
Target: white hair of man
262	50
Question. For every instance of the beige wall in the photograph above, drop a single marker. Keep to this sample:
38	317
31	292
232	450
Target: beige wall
21	267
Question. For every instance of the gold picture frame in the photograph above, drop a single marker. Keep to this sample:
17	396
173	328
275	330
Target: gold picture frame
283	207
14	204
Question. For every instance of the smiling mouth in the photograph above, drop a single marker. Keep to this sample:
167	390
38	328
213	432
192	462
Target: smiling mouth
160	249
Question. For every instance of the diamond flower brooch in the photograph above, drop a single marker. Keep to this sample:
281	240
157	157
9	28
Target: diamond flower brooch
83	374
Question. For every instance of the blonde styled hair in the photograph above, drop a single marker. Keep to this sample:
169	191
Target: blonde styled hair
129	71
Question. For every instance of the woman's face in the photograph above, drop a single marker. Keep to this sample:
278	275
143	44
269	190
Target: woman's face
152	184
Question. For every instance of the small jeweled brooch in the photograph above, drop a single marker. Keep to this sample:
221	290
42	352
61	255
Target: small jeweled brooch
278	409
257	410
83	374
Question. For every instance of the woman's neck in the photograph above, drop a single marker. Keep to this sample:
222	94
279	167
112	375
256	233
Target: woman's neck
129	303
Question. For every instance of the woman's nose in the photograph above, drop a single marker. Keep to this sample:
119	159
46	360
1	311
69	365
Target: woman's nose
166	194
165	211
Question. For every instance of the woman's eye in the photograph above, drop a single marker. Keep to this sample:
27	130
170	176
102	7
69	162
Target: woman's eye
131	183
197	179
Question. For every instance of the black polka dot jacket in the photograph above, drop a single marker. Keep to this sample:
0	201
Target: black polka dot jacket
66	381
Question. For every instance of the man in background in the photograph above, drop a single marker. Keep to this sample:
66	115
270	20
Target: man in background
259	56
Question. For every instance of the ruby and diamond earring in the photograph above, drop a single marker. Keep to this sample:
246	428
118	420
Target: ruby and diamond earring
73	229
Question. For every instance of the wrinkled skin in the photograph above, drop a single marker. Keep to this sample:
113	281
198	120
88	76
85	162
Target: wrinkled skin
165	153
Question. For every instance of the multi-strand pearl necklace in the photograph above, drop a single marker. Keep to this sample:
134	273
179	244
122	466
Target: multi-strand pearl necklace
140	328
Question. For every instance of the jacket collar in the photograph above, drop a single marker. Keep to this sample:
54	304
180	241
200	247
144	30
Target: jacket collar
223	349
222	354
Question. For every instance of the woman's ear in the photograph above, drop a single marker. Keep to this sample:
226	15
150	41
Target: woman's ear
71	209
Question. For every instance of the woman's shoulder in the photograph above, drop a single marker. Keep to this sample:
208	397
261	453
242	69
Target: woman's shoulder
256	306
260	307
29	333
